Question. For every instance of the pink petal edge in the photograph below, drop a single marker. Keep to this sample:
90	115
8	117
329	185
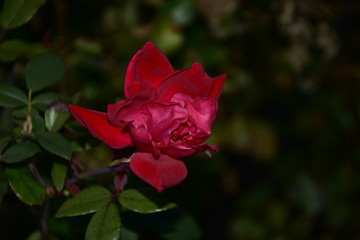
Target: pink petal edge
149	64
217	87
99	126
194	82
161	173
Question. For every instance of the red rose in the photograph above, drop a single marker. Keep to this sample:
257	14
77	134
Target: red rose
167	114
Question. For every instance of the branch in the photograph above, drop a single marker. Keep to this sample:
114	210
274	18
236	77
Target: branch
96	172
44	219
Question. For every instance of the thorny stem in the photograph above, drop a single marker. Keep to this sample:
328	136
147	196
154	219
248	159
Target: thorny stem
96	172
27	125
43	219
29	102
44	207
36	174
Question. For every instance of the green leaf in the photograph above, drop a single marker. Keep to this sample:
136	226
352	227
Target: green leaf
144	201
42	101
23	112
55	144
129	234
105	224
38	123
11	96
18	12
3	185
20	112
19	152
4	139
44	70
55	120
87	201
36	235
12	49
25	186
58	174
56	116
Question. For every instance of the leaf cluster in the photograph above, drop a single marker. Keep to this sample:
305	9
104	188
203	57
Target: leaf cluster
40	126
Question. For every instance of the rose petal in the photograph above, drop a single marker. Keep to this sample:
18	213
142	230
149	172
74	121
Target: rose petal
217	87
128	110
193	81
141	137
127	114
202	113
98	125
161	173
181	150
162	119
148	64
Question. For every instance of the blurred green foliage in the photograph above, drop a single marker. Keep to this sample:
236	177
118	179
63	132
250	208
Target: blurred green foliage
288	123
